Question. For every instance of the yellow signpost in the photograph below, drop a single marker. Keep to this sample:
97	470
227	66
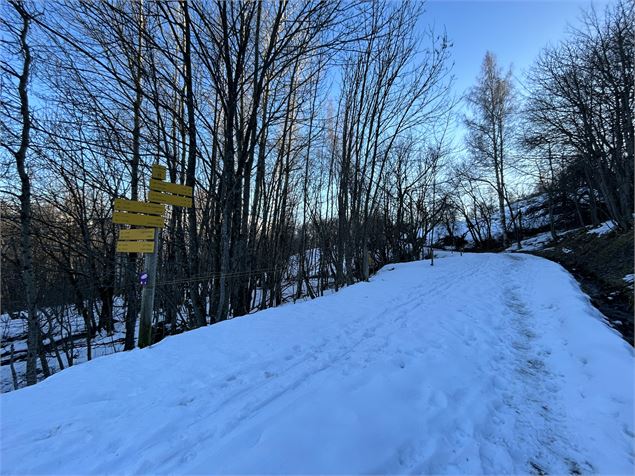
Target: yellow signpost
167	187
124	205
123	218
176	200
158	172
137	234
146	240
135	246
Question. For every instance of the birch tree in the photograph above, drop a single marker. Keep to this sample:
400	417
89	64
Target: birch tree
492	106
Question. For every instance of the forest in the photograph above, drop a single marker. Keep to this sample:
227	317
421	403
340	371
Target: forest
319	141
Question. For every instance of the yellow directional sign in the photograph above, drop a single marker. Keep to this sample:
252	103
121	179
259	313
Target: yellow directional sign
158	172
135	247
137	234
175	200
139	207
168	187
136	219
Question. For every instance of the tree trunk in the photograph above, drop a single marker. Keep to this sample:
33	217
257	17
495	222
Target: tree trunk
26	250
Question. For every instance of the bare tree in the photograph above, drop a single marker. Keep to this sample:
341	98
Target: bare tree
490	128
581	99
20	136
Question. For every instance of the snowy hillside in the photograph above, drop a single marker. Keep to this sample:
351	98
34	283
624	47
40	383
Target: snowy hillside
532	212
482	363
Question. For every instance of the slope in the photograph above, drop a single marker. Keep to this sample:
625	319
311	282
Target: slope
481	364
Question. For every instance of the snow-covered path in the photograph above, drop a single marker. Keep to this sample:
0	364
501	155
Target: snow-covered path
481	364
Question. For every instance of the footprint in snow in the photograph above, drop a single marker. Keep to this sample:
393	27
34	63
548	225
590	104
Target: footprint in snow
184	402
399	363
439	399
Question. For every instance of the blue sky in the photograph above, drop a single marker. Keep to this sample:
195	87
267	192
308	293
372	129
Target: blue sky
514	30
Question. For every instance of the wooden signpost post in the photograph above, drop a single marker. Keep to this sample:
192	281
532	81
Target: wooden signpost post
146	240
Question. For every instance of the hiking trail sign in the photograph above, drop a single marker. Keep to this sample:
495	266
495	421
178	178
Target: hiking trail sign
146	240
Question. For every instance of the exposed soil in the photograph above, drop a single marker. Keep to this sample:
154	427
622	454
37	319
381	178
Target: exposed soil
599	263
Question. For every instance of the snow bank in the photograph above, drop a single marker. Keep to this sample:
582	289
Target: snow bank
13	332
481	364
603	229
534	243
532	211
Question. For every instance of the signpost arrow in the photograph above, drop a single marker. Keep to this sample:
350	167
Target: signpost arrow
175	200
137	219
135	246
158	172
144	234
124	205
146	240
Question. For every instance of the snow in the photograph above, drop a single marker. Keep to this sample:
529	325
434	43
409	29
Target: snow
483	363
534	243
13	329
541	241
603	229
13	332
629	278
531	209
